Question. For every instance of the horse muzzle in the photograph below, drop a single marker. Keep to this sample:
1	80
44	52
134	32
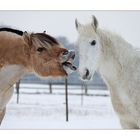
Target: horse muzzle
86	75
68	62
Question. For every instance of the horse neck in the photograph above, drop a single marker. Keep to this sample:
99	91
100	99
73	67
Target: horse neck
13	50
113	43
9	75
115	54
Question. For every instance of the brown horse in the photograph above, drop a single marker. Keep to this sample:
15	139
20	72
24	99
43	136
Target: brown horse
23	53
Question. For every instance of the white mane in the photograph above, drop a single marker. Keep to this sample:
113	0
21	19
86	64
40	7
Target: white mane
117	47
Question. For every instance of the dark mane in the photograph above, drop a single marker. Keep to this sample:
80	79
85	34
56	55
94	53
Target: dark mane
18	32
46	38
43	37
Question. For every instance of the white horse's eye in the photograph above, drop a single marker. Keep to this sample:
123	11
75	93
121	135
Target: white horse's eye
93	42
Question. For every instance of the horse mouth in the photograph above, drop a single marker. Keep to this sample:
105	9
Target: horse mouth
68	63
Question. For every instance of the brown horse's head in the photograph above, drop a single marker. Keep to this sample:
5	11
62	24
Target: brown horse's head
47	55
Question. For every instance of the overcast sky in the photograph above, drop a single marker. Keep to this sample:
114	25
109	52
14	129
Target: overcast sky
61	23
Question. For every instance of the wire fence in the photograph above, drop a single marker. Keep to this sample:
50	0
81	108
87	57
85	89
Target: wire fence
23	87
66	89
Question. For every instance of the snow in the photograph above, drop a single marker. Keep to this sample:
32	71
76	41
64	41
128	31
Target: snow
47	111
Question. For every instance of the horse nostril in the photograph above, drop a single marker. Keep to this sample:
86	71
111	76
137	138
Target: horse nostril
72	54
87	72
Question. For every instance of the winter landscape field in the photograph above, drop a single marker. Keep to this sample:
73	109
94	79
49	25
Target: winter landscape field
38	109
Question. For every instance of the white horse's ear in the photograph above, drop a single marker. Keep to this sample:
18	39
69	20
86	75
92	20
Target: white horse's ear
94	22
77	24
27	38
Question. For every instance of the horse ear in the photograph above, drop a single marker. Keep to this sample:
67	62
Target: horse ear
27	38
94	22
77	24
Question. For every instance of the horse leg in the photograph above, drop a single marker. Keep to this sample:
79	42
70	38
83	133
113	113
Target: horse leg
128	124
4	99
2	114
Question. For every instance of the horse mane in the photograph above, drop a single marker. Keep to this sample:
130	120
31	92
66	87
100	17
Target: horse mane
116	46
108	37
18	32
44	40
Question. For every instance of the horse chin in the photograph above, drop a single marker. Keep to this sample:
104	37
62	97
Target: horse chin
86	79
68	70
69	67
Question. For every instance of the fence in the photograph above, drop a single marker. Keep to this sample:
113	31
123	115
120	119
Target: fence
51	88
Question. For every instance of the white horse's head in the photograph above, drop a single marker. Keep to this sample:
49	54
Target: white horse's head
88	47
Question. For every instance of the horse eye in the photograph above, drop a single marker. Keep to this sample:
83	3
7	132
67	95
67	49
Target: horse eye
41	49
93	43
65	53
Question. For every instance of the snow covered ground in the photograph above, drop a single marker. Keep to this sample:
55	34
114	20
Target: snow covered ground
47	111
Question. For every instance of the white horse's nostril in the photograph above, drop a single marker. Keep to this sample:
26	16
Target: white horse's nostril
72	54
87	73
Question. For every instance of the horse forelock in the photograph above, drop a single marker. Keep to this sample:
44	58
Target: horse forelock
87	30
44	40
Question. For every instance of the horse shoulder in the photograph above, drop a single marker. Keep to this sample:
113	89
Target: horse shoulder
9	75
13	50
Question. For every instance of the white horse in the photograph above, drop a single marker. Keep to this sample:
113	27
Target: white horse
119	65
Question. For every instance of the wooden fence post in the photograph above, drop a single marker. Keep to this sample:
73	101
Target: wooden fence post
82	94
86	89
17	90
50	87
66	99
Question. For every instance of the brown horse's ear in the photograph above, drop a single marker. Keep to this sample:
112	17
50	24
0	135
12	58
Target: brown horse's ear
27	38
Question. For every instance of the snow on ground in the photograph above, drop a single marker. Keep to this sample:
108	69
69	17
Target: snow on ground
47	111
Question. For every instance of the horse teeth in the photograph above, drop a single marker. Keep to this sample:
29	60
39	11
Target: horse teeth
70	60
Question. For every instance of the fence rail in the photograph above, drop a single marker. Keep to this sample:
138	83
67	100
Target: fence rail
60	89
66	90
